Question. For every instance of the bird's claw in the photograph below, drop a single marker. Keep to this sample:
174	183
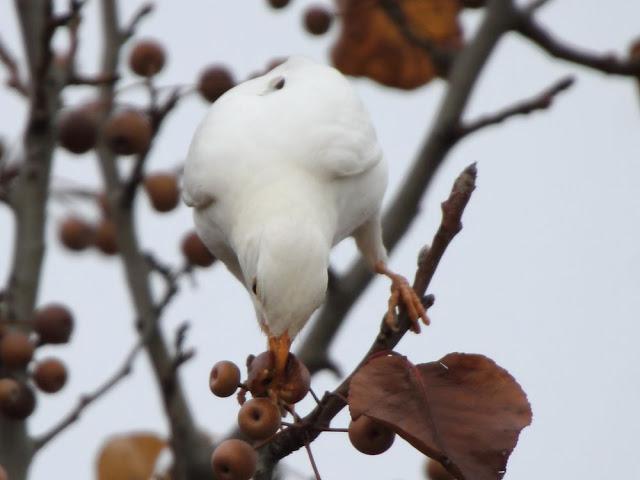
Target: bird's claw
401	291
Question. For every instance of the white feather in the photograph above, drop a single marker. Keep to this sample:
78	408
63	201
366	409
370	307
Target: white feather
277	176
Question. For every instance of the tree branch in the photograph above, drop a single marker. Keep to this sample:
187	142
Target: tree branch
88	398
191	450
528	27
499	19
319	419
28	196
542	101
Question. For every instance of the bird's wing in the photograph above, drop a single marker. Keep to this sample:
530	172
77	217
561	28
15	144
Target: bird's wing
347	146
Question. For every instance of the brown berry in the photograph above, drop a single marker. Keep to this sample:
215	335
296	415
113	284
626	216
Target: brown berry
278	3
77	130
369	436
317	20
214	81
50	375
195	251
20	405
16	350
128	132
105	237
436	471
234	460
9	390
261	372
224	378
163	191
147	58
53	323
297	381
259	418
75	234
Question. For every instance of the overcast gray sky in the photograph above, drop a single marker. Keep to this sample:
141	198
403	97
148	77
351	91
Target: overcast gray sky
544	278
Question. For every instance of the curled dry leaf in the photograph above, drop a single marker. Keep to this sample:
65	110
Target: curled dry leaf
372	45
129	457
463	410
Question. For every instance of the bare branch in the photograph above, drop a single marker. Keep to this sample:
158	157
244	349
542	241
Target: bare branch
308	428
542	101
138	16
14	81
191	450
88	398
528	27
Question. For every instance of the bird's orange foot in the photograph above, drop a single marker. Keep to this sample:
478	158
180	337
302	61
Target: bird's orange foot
279	347
401	291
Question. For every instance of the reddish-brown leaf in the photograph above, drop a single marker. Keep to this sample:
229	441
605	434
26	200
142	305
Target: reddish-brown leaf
463	410
371	45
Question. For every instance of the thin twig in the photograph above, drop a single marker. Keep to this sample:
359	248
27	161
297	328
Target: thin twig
14	81
135	20
530	28
88	398
541	101
307	447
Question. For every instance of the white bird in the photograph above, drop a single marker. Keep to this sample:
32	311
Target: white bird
282	168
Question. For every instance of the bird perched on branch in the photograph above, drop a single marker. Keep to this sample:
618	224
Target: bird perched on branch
282	168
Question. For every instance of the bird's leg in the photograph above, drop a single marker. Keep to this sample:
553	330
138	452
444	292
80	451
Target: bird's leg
402	291
279	347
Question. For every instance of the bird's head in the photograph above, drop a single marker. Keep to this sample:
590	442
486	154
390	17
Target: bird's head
285	272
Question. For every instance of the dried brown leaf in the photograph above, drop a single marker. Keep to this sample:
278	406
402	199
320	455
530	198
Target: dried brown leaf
370	43
463	410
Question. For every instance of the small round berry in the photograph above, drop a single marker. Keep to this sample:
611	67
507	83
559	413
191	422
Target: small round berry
105	237
77	130
50	375
9	390
53	323
317	20
20	405
75	234
261	372
128	132
297	381
16	350
163	191
259	418
278	3
369	436
196	252
224	378
214	81
435	471
234	460
147	58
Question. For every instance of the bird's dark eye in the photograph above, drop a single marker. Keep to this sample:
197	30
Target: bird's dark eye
279	84
254	287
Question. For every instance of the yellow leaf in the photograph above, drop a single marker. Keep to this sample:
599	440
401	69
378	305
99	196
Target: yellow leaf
129	457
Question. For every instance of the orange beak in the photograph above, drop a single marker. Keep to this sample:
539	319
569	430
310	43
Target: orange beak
279	346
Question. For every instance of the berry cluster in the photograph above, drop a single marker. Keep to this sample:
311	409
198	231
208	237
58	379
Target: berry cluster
260	418
51	324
